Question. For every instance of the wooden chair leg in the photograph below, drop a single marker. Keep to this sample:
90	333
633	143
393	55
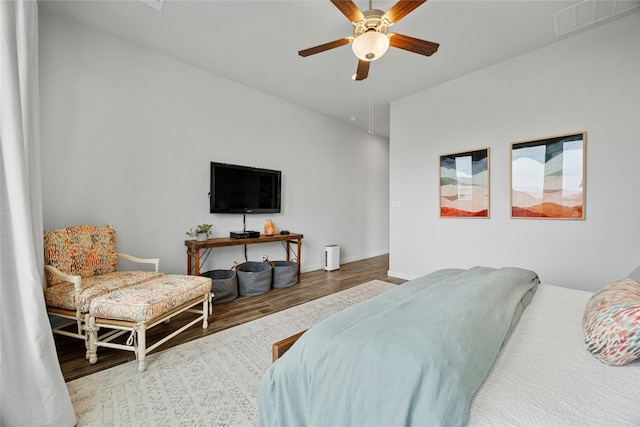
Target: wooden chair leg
142	347
82	331
92	332
205	311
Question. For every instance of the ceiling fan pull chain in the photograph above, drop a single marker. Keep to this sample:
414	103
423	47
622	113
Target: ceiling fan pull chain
370	110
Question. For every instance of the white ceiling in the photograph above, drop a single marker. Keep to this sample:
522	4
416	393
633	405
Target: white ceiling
256	43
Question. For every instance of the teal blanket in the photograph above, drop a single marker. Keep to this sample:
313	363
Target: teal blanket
414	355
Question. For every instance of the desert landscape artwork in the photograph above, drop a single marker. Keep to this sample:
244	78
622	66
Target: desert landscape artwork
547	177
464	184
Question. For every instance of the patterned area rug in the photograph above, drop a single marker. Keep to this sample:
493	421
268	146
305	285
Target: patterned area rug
212	381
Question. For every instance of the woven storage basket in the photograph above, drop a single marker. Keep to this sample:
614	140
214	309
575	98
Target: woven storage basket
224	285
285	273
254	278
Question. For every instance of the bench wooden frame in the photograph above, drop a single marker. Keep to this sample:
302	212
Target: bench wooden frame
279	348
137	341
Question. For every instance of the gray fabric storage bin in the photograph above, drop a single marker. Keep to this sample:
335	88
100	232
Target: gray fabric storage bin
254	278
285	274
224	285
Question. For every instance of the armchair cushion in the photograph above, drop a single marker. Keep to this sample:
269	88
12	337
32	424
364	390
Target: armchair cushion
82	250
63	295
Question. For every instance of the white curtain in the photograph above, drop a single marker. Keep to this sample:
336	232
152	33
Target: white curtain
32	389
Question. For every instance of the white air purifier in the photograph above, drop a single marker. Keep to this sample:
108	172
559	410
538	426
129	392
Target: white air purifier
332	257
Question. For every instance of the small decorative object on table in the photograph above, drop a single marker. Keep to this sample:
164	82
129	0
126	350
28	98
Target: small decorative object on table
269	228
200	232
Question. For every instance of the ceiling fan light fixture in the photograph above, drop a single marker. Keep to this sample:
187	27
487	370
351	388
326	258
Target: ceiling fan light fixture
370	45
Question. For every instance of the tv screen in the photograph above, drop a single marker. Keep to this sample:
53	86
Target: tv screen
244	189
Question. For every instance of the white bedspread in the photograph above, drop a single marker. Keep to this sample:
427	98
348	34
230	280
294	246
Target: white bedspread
545	376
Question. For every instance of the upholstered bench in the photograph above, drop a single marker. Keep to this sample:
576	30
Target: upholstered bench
140	307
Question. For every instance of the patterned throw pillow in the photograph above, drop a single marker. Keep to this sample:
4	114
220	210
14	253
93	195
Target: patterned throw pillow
611	323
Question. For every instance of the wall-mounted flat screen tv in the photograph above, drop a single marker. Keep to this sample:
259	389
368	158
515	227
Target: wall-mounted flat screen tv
244	189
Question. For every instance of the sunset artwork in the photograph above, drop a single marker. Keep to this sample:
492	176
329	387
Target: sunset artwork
547	178
464	184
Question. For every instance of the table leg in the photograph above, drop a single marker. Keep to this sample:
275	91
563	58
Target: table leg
299	256
193	261
299	243
196	267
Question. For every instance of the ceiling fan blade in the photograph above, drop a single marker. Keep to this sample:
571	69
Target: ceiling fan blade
349	9
363	69
412	44
324	47
402	8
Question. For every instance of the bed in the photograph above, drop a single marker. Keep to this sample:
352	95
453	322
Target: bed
531	368
545	376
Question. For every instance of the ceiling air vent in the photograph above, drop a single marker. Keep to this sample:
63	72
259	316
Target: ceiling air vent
589	12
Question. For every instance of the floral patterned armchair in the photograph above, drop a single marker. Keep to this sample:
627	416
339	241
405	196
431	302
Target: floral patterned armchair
81	263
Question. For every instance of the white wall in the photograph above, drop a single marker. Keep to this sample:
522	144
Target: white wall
127	137
588	82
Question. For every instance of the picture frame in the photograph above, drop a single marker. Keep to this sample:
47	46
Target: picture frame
464	184
548	177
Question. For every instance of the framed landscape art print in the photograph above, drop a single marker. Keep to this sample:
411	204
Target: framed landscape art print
548	177
464	184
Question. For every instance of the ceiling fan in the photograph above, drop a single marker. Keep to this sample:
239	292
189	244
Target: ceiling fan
370	39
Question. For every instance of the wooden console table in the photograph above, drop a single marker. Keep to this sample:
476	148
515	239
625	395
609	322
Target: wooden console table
194	247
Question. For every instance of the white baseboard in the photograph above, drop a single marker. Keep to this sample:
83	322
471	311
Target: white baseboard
401	275
313	267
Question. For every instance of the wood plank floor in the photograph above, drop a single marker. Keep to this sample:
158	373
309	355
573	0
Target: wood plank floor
312	285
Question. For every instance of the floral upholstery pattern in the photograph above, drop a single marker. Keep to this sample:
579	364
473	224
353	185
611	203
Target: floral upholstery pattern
150	300
63	295
82	250
88	251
